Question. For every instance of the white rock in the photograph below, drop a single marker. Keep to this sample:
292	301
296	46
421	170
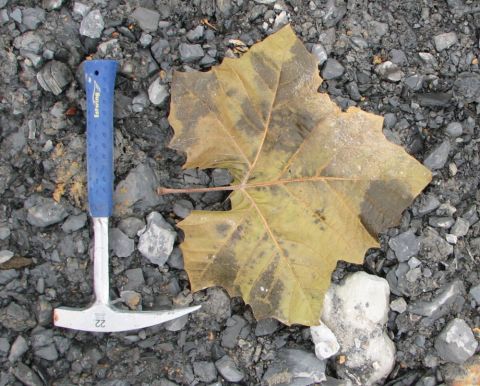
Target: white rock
92	24
326	344
156	239
157	92
5	255
356	312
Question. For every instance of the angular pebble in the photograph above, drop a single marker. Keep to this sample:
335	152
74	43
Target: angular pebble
445	40
295	367
130	226
454	129
176	324
389	71
332	69
54	77
157	92
325	341
135	279
74	223
438	157
475	293
92	24
157	239
19	347
228	369
357	310
456	342
146	18
205	371
33	17
120	243
266	327
46	212
196	34
190	52
398	305
440	303
16	317
26	375
5	255
460	228
405	245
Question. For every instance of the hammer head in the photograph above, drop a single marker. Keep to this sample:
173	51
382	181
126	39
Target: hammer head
101	317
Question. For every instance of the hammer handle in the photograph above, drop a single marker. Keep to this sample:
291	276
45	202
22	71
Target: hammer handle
99	85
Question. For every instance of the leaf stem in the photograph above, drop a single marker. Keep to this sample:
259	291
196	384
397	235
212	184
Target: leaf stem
161	191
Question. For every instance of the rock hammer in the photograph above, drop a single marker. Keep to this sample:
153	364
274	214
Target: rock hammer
101	315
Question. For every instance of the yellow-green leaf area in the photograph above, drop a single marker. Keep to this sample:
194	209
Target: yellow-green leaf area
312	184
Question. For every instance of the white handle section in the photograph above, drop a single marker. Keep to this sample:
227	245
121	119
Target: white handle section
100	260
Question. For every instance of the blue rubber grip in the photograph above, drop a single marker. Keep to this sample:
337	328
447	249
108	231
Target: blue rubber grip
99	86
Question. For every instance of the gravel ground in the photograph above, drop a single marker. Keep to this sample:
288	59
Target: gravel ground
414	62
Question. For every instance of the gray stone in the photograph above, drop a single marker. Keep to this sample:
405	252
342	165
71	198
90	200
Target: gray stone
334	12
4	232
460	228
320	53
26	375
454	129
92	24
4	346
74	223
33	17
182	208
139	102
443	222
196	34
475	293
43	311
54	77
29	42
414	82
46	212
205	371
456	342
176	259
135	279
159	49
147	19
190	52
445	40
332	69
228	369
438	156
19	347
296	368
48	353
16	317
176	324
51	5
434	247
428	204
398	57
216	306
325	341
7	275
81	9
130	226
434	99
157	92
427	58
280	20
266	327
16	15
5	255
145	39
120	243
439	305
405	245
353	91
221	177
230	335
4	18
389	71
389	120
357	310
157	239
137	192
467	85
398	305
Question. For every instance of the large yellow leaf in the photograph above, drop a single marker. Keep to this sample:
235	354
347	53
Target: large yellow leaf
312	185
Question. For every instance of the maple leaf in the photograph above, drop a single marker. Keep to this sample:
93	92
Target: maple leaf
312	184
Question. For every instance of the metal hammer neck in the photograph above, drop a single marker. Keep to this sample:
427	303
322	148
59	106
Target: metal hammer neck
100	260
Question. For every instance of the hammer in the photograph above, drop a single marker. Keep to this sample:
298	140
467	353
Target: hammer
101	315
